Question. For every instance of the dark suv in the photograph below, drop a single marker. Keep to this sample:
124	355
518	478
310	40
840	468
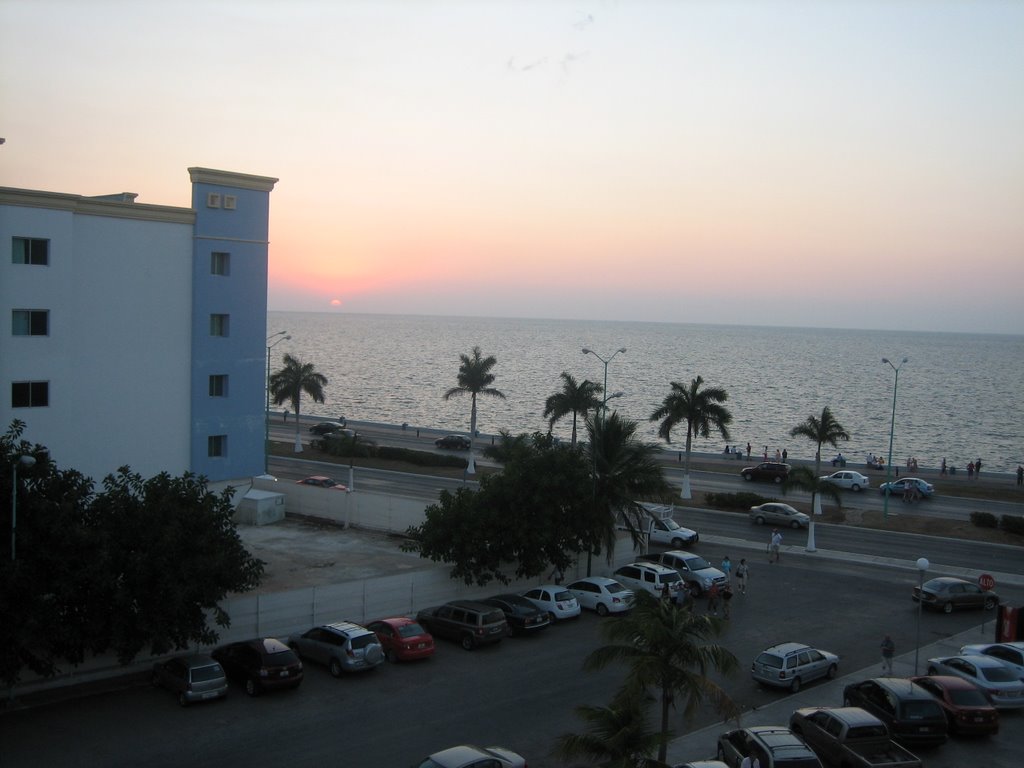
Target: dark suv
772	471
465	621
912	714
773	745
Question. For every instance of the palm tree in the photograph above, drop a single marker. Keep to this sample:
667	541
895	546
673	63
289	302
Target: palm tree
701	409
577	398
618	736
475	378
626	471
669	650
290	382
821	431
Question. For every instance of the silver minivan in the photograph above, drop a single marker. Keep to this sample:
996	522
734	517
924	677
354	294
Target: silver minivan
790	665
343	647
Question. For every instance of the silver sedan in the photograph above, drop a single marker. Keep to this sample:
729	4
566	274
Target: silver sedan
778	514
847	480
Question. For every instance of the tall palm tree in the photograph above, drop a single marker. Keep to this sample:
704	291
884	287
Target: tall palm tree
475	378
626	470
701	409
577	398
290	382
668	650
821	431
618	736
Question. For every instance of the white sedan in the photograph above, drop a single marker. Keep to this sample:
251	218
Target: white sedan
470	756
558	601
601	594
847	480
1011	654
997	679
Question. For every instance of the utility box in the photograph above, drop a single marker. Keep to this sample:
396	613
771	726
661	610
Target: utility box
260	508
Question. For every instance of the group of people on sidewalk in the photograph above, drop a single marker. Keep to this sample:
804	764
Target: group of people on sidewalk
717	596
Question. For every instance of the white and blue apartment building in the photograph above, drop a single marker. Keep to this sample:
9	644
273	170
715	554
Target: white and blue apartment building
135	334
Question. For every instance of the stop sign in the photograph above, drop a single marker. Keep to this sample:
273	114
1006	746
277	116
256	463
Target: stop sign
986	581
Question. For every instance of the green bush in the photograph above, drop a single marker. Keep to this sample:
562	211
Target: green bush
737	501
342	445
1013	524
984	520
420	458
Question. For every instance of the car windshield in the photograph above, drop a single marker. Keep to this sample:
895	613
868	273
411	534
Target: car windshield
697	563
920	709
410	630
998	674
494	617
564	595
361	641
614	586
770	660
671	524
208	672
968	698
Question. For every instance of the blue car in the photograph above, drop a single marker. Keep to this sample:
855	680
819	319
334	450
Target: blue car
899	487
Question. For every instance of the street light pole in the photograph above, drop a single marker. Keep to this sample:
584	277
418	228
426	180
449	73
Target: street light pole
266	413
25	461
892	429
922	568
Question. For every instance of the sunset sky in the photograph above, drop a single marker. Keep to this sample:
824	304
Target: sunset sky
824	164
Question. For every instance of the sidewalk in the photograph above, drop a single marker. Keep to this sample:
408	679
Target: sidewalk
1001	751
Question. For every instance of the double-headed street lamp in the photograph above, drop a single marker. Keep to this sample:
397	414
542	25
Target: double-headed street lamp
25	461
266	413
604	391
892	428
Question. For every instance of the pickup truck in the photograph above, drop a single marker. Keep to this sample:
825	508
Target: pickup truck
655	522
697	572
850	737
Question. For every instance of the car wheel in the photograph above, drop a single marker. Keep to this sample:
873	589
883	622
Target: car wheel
855	488
795	524
392	656
721	753
759	520
552	617
509	631
467	642
602	609
182	701
990	603
677	543
947	607
251	687
335	668
777	480
795	685
831	674
747	476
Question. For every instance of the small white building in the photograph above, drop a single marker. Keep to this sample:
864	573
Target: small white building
134	334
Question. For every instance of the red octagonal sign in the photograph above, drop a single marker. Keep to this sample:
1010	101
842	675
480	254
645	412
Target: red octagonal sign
986	581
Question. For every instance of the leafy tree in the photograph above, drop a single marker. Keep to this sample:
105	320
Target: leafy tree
669	651
626	470
700	409
821	431
577	398
534	514
618	736
288	384
475	378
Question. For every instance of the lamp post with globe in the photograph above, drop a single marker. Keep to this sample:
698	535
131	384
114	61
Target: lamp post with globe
892	429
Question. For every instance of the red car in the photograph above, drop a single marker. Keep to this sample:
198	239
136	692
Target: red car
322	482
403	638
967	708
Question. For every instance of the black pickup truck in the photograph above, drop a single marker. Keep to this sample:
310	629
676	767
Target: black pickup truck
850	737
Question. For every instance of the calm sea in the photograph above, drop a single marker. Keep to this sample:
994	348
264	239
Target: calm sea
959	395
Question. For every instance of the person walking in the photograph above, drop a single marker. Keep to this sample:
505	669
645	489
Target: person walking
785	455
741	576
748	451
773	546
943	471
1020	474
713	595
977	469
726	598
727	568
970	470
888	651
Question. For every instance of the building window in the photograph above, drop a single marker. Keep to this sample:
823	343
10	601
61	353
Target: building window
30	394
219	325
217	446
30	322
30	250
219	385
220	263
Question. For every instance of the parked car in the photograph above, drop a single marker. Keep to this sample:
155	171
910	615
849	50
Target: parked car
703	764
967	708
557	601
911	713
791	665
771	471
522	615
778	514
191	678
774	746
320	481
1011	654
402	638
342	646
469	756
925	489
694	570
601	594
847	480
850	737
327	427
650	577
453	442
260	665
998	680
468	622
946	593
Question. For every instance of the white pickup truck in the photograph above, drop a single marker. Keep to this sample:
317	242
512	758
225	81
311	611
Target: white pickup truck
850	737
656	523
